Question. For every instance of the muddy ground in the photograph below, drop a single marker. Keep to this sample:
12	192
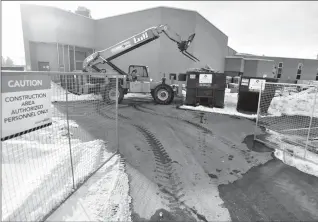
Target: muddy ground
194	167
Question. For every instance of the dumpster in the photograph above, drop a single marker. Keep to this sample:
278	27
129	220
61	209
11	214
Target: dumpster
205	88
248	94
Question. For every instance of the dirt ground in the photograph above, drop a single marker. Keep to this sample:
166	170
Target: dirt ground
178	160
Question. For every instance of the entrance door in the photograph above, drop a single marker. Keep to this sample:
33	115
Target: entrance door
44	66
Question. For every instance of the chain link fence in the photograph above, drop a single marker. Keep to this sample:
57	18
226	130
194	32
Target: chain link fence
42	168
287	118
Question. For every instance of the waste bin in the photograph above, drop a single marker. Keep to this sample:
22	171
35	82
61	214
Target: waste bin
248	94
205	88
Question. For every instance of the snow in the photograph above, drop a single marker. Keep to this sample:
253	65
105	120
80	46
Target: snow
291	103
104	197
230	103
295	155
36	174
59	95
138	95
301	164
295	104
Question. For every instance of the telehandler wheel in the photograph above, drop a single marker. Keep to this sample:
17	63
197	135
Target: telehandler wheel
109	94
163	94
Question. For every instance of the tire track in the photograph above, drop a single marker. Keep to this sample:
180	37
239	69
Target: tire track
102	112
205	130
167	180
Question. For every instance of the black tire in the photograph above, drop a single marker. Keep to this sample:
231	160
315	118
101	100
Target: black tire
163	94
109	95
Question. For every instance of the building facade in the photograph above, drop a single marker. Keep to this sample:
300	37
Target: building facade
290	69
58	40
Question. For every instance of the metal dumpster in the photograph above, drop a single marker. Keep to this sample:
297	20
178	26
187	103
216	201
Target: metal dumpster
205	88
248	94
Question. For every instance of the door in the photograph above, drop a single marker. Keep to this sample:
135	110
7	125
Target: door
140	82
43	66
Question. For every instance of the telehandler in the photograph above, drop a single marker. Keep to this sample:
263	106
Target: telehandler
137	79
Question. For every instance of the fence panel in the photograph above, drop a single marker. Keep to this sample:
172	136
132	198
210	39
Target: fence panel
42	168
287	118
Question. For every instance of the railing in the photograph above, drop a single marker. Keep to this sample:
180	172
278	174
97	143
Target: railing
287	119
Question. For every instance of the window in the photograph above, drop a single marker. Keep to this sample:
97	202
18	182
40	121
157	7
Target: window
317	75
279	73
280	65
141	71
280	70
299	69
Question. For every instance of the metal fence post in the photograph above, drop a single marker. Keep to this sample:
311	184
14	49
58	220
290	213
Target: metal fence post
310	123
68	132
258	111
117	135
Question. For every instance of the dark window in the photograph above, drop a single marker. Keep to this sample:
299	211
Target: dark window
279	72
300	66
280	65
299	72
317	77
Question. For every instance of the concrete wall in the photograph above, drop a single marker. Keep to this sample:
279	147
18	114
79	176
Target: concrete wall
52	25
112	30
43	52
48	24
290	66
171	60
210	44
162	55
234	64
230	51
265	67
250	68
258	68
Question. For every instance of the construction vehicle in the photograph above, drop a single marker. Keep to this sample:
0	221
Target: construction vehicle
137	79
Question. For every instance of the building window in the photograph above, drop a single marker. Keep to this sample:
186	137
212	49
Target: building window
280	65
299	69
280	70
317	75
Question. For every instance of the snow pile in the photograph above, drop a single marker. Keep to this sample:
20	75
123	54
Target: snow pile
230	103
104	197
138	95
301	164
295	103
36	173
293	155
59	95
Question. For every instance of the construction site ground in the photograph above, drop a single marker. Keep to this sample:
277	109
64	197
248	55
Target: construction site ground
194	167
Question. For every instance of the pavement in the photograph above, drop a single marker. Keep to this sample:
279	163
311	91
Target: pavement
188	166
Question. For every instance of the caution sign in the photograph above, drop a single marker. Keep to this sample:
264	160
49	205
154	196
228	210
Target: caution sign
26	103
205	79
257	84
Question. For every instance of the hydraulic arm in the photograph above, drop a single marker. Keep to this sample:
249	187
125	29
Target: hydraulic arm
149	35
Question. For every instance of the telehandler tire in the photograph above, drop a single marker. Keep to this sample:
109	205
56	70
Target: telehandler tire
163	94
109	94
